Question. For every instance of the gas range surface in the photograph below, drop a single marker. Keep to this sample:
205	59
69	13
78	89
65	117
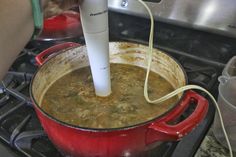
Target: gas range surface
201	54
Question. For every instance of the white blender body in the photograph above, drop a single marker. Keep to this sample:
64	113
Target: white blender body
94	17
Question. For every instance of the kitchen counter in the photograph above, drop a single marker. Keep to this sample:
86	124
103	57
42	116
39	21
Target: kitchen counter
210	147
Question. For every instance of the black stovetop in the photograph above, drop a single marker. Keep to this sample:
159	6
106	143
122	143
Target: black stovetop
202	55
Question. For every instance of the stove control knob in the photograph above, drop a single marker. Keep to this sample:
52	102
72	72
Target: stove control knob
124	3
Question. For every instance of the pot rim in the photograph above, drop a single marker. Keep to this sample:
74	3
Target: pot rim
36	105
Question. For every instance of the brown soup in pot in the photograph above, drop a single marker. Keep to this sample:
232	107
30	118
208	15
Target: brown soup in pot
72	99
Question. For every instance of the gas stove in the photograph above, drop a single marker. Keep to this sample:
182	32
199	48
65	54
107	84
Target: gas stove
203	56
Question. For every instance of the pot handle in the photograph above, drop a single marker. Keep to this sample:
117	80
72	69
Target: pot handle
43	56
162	130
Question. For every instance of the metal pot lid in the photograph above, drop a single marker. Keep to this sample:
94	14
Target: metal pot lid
63	26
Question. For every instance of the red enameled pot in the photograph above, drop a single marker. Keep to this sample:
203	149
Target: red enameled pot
127	141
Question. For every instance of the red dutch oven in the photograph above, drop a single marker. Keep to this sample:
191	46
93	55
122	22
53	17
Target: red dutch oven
127	141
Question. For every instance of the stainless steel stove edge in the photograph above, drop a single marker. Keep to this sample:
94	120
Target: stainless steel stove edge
216	16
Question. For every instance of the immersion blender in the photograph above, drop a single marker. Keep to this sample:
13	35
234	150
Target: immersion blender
94	17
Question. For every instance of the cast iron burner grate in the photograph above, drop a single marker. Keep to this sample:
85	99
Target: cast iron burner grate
19	126
202	75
